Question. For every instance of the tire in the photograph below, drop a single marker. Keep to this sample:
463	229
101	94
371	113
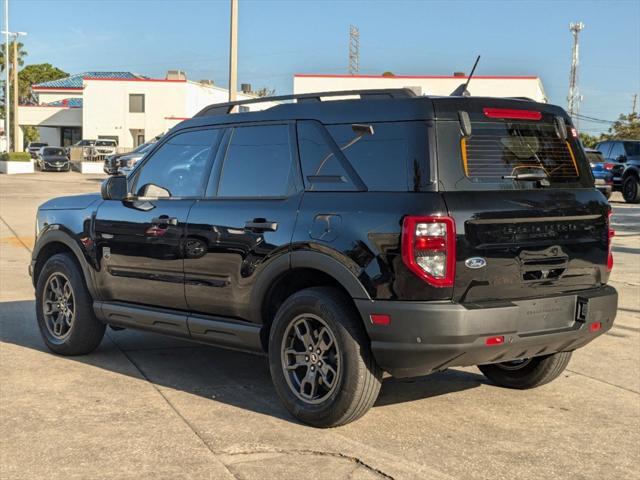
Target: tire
530	373
72	329
340	397
631	190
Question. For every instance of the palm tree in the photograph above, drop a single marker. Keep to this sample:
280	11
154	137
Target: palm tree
21	54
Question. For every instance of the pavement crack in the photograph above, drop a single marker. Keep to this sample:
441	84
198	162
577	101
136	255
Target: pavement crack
171	405
604	381
304	451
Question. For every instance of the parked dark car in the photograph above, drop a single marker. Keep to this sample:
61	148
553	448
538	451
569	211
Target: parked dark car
344	238
53	158
33	147
115	163
625	154
602	171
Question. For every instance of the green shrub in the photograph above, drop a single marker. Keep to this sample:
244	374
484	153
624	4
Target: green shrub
15	157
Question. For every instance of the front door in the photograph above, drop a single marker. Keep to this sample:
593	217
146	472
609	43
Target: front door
140	243
246	220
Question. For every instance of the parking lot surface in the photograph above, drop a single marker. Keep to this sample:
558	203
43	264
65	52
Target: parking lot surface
146	406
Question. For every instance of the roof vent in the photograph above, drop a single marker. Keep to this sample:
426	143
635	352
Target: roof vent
459	74
245	87
206	82
176	75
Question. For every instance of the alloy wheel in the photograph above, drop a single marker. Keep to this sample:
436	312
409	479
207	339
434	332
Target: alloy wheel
58	306
310	358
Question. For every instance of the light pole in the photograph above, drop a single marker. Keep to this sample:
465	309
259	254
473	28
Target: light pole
233	52
16	36
7	88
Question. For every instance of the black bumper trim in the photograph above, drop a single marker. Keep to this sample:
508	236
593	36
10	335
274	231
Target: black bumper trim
428	336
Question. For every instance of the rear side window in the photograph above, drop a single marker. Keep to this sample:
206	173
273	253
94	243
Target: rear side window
501	150
392	158
258	163
632	149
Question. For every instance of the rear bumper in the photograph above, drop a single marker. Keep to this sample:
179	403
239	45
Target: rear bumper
423	337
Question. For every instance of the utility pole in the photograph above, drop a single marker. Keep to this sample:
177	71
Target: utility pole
233	52
354	50
635	101
16	147
574	97
7	88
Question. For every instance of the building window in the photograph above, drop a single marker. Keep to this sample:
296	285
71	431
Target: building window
136	103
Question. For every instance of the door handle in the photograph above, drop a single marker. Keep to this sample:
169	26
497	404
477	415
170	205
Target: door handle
164	220
261	225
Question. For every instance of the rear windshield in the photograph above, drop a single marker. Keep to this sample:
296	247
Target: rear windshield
595	157
105	143
505	149
53	151
37	144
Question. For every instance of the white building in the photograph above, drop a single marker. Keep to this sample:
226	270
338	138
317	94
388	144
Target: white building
481	85
123	106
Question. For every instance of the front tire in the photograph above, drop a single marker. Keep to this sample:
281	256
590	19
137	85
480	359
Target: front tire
631	190
320	360
64	308
528	373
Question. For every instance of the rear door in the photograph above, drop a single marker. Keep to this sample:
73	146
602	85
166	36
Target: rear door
533	237
245	221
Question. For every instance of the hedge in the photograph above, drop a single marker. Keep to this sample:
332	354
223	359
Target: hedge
15	157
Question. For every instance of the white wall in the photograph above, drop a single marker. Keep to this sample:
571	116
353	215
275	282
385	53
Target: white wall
49	116
106	108
48	96
479	86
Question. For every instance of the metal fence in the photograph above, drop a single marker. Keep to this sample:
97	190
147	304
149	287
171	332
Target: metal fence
89	154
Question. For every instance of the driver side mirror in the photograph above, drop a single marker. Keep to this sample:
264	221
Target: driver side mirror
115	188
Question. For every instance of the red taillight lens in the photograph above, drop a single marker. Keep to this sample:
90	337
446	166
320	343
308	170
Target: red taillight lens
499	340
609	166
429	248
595	326
512	114
610	234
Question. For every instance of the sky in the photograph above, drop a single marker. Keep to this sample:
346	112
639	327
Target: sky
283	37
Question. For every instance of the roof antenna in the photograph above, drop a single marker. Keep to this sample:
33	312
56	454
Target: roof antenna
462	91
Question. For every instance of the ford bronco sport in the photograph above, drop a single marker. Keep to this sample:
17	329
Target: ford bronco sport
344	237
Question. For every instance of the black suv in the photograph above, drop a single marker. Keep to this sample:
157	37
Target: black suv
374	232
624	155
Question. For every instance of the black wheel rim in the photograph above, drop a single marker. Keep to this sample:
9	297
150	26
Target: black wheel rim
629	189
58	306
310	358
514	365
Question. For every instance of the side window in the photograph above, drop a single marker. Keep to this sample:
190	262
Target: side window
616	150
321	168
604	149
258	163
392	158
178	168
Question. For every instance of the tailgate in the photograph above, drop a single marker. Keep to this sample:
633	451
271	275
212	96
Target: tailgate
534	242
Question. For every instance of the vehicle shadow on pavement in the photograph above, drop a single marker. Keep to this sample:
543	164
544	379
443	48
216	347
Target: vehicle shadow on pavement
236	378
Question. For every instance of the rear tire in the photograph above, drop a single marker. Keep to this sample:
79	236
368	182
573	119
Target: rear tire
335	381
525	374
631	190
64	308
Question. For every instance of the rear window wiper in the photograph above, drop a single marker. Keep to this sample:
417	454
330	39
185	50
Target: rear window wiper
540	176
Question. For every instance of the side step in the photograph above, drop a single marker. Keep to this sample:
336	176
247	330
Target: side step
219	331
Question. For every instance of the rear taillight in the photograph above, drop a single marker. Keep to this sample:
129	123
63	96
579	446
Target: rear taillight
429	248
610	234
609	166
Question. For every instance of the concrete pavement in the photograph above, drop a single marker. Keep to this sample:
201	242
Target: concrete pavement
146	406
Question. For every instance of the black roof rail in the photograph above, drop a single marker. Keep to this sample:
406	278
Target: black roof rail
226	108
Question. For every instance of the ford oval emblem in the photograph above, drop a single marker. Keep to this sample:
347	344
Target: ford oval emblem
475	262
